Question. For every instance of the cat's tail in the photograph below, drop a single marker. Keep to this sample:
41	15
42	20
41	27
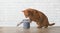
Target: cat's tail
51	24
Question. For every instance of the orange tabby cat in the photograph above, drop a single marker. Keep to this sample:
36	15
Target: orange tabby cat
38	17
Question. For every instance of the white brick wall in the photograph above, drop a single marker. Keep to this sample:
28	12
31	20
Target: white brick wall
10	10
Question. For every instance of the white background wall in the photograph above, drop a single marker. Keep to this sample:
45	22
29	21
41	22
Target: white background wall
10	10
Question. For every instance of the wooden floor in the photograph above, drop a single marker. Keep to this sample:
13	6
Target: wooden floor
31	30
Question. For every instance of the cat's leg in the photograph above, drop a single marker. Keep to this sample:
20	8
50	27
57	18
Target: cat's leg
39	25
45	23
30	21
46	26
